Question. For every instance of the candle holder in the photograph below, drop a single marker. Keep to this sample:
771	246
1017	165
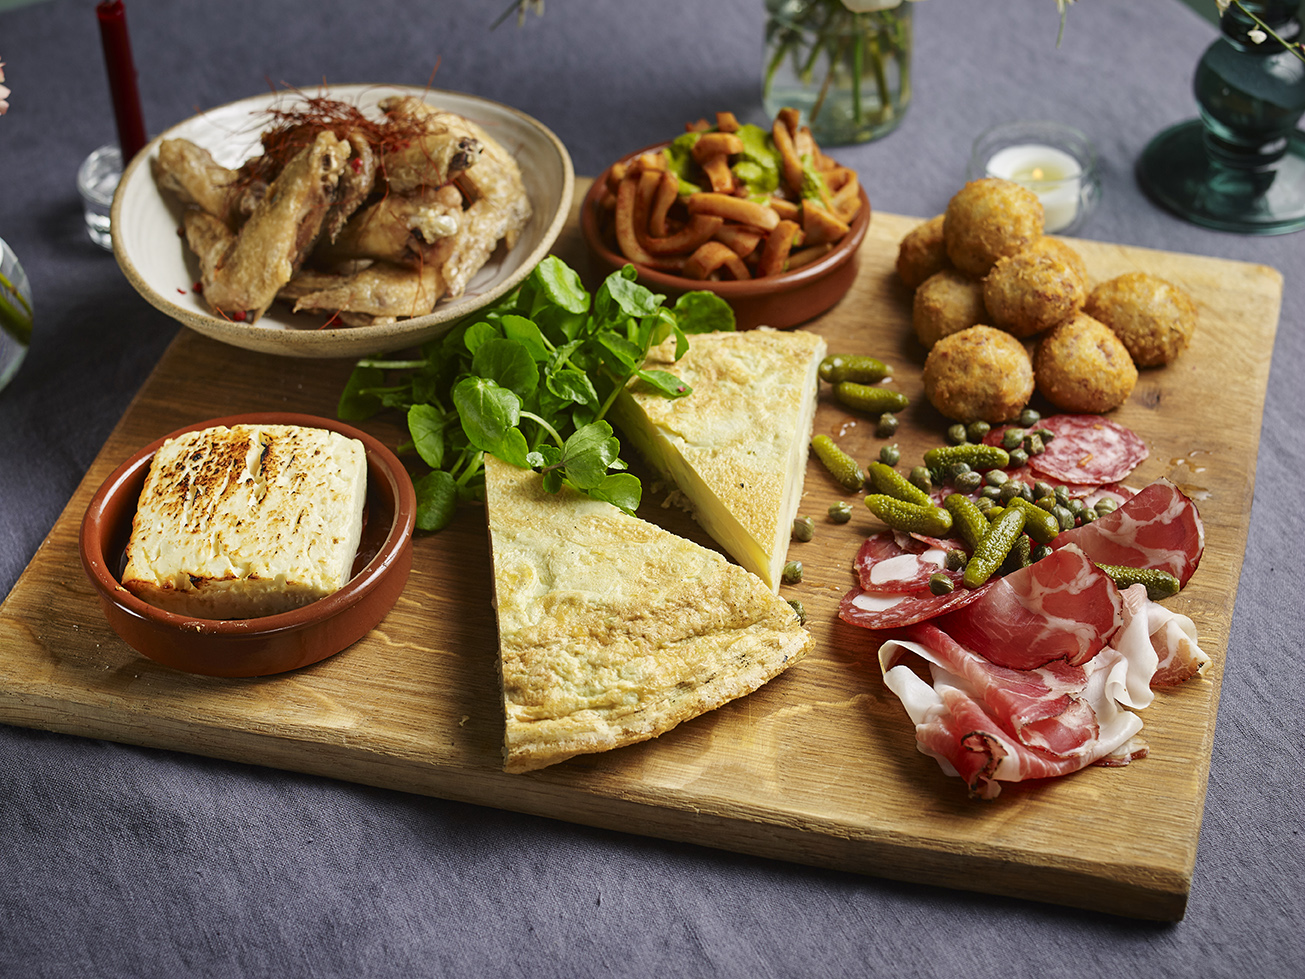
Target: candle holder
97	179
1055	161
1240	166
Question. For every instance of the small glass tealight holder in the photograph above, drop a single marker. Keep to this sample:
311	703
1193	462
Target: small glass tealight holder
1055	161
97	179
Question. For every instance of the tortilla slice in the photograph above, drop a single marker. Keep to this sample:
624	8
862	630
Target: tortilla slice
612	630
737	446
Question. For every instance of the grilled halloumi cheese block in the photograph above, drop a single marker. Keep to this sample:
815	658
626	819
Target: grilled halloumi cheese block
737	446
612	630
247	521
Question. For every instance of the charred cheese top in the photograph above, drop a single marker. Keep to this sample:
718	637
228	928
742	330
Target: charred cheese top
247	521
737	446
612	630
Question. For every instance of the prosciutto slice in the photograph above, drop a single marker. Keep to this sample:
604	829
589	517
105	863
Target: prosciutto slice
1172	638
989	724
1159	528
1062	607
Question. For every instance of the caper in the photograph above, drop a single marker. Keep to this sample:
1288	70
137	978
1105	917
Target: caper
1011	438
985	504
1032	444
995	477
955	560
1042	488
990	492
1009	491
1039	552
1088	515
1105	505
1076	507
955	469
889	455
1045	434
887	426
1018	457
799	610
968	482
977	430
840	512
956	434
1047	502
921	479
940	584
1062	495
792	573
1026	492
804	529
1028	418
1063	516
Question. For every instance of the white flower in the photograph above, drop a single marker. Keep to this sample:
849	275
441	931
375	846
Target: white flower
1257	36
1223	6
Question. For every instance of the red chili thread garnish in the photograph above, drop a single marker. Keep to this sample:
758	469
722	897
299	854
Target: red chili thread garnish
198	287
239	316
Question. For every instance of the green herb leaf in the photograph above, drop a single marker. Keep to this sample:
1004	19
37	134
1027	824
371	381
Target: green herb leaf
589	453
357	403
701	311
526	333
426	426
619	489
478	334
437	500
508	363
665	382
487	411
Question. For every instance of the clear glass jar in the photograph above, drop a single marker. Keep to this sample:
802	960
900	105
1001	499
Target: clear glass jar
848	73
15	313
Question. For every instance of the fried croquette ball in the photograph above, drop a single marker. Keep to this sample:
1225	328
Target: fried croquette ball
1067	255
1152	317
922	253
979	374
946	303
1033	290
1081	366
988	219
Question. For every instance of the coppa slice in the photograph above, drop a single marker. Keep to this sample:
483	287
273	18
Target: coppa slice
736	446
612	630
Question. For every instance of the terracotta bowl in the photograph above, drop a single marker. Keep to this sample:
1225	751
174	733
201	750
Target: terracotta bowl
779	301
273	643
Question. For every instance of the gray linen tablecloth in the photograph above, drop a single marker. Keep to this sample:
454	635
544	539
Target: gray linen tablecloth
117	860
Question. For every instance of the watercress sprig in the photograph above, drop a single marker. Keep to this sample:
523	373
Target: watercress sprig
529	379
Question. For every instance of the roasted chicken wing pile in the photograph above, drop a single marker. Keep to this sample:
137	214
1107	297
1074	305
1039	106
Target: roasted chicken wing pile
361	221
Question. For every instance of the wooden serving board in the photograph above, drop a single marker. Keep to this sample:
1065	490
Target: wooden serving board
819	766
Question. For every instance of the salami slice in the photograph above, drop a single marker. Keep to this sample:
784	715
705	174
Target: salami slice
879	612
1158	528
1088	450
891	563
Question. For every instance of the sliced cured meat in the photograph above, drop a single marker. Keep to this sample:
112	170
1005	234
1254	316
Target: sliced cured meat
1172	638
990	726
879	612
1062	607
1088	450
892	563
1158	528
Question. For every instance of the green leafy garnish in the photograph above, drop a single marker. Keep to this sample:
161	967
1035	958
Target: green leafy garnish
529	379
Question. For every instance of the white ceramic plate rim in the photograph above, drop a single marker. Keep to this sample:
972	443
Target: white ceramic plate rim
162	269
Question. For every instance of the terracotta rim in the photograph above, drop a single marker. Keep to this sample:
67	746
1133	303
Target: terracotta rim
728	289
95	537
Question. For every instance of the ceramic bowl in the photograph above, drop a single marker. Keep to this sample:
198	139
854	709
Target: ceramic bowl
273	643
779	301
158	264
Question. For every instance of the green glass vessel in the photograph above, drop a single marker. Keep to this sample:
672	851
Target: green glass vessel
1241	165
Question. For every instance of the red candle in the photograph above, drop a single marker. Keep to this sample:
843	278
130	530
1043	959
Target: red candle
122	77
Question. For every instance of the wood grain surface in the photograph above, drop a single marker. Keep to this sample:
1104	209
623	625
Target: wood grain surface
819	766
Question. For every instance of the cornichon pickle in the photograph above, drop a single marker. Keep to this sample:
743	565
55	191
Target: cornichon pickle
967	518
993	547
868	398
840	465
977	457
1039	524
909	517
887	480
845	367
1159	584
1020	556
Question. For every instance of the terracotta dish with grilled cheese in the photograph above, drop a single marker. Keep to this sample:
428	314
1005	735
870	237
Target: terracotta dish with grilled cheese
239	522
